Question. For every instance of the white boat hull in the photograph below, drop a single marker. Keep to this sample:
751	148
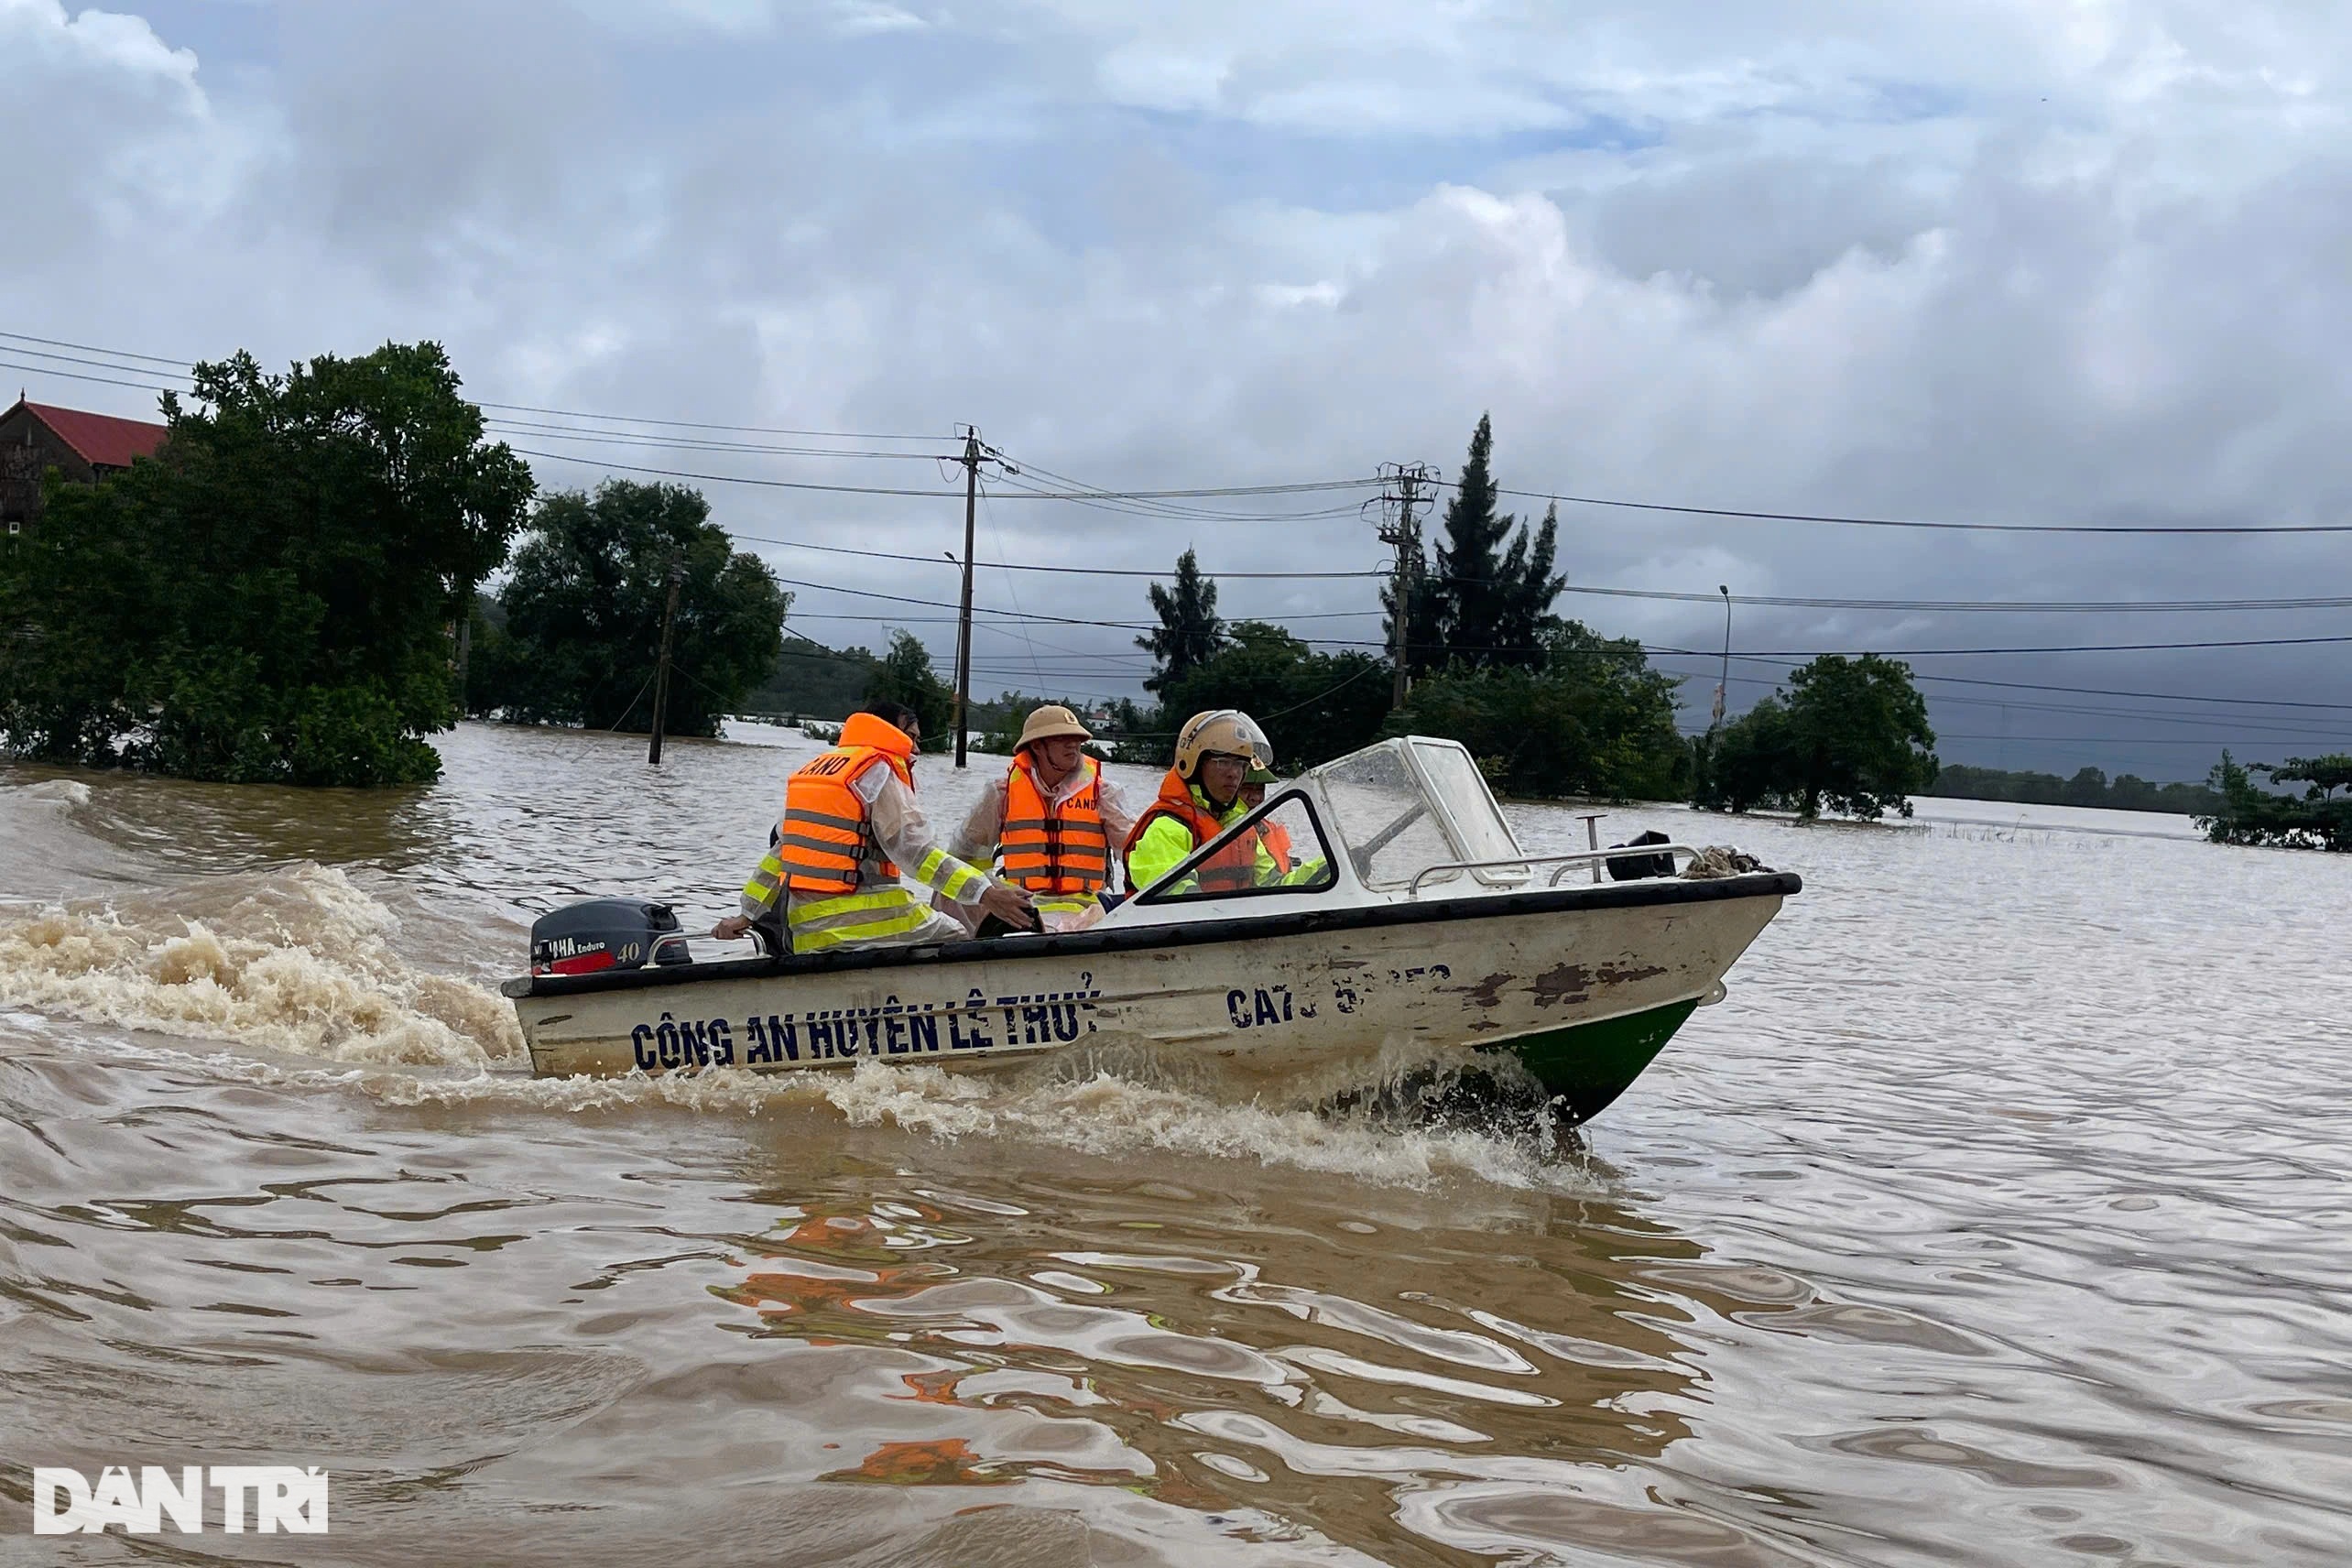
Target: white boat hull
1583	988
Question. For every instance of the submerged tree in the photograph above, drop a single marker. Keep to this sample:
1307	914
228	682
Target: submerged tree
1851	736
583	610
2249	814
273	597
1189	632
2326	775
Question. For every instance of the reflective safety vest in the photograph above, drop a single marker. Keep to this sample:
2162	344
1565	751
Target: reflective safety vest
825	842
1231	868
1054	848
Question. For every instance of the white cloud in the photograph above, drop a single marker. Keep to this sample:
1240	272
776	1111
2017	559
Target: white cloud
2008	260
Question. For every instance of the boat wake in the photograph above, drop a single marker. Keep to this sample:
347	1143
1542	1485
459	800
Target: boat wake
303	979
299	961
1106	1114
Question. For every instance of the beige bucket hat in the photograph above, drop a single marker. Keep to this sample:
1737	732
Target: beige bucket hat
1051	721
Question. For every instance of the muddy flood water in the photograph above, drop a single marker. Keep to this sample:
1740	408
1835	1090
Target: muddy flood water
1999	1215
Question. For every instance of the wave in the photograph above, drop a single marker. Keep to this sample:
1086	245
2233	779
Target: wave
298	960
1102	1113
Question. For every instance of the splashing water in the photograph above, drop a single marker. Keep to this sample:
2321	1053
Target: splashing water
299	961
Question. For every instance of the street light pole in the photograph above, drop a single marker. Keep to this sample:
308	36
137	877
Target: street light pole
1722	685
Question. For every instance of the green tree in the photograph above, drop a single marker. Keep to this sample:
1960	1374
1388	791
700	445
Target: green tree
584	607
2326	775
1851	736
904	675
1189	632
1523	617
1425	612
1596	720
2126	792
272	598
1492	587
1748	761
1000	721
2088	787
1314	707
2249	814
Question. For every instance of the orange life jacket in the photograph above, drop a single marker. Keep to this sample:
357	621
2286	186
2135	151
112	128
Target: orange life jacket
1276	839
1234	867
825	839
1058	848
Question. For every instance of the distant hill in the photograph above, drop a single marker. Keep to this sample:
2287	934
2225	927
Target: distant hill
812	681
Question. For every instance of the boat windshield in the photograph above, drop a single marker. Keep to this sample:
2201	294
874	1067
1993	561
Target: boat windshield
1277	849
1406	805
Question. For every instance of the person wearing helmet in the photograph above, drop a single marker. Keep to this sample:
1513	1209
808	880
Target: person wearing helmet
1199	798
1051	818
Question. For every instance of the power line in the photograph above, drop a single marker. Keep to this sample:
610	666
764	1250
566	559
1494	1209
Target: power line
2075	691
2281	725
2053	648
1011	586
1927	606
1304	487
1080	492
1972	606
1918	523
75	375
1039	566
708	425
635	439
1915	605
1934	606
1632	647
1139	503
87	348
1943	736
180	367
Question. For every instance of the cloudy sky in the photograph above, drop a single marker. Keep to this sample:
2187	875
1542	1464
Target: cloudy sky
1996	261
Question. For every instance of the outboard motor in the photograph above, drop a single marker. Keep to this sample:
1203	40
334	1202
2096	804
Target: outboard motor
606	933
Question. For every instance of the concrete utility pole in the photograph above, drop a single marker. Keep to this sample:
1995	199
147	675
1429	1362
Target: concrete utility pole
661	669
975	452
1403	486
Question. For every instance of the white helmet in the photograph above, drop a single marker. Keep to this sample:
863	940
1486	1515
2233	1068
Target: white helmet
1226	732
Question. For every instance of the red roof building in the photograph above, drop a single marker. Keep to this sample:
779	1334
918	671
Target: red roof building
83	447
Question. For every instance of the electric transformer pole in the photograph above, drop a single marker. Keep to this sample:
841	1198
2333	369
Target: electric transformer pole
974	454
1403	487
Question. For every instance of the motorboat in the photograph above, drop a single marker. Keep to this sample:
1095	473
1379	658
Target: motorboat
1407	916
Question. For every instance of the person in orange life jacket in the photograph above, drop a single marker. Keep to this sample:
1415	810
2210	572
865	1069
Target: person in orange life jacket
849	827
1273	834
1199	798
1052	819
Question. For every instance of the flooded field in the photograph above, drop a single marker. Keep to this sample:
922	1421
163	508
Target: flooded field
1996	1217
